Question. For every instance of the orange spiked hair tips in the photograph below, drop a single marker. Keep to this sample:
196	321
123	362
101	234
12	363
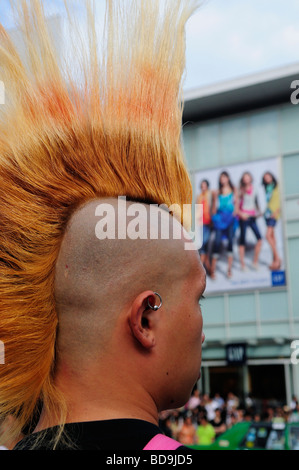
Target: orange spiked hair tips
115	132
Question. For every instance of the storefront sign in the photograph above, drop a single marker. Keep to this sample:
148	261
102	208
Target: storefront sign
236	354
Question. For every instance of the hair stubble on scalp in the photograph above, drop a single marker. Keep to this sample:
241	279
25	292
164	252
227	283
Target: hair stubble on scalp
96	279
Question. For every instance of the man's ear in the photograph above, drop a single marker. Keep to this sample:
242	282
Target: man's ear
142	320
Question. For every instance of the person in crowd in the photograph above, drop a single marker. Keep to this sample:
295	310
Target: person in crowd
165	424
272	216
219	400
205	432
287	413
210	406
225	206
294	402
294	418
218	423
240	414
194	401
279	416
250	403
256	417
187	433
232	401
176	423
231	419
248	213
269	414
205	199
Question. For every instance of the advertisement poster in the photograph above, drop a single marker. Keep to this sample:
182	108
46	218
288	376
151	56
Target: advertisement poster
243	242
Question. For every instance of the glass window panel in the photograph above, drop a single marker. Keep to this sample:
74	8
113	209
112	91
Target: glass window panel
239	332
207	146
292	209
274	305
242	308
234	140
264	134
276	330
293	246
188	136
290	126
291	174
293	229
213	310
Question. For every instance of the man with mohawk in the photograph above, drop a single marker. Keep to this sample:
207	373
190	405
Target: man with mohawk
100	334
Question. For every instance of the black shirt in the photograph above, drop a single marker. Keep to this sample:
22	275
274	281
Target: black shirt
116	435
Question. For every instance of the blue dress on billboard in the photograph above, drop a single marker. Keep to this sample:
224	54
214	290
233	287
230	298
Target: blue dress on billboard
224	223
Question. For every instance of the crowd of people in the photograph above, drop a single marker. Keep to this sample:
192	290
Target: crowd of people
204	418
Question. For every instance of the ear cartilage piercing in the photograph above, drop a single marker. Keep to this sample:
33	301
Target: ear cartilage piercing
155	307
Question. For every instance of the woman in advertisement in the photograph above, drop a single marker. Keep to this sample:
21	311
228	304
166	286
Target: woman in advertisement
272	216
225	203
248	213
205	199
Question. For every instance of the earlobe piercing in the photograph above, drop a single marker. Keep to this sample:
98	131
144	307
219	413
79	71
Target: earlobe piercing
155	307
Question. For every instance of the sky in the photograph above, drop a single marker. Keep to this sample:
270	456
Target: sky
229	39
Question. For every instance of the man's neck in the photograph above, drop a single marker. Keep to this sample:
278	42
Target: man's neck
102	399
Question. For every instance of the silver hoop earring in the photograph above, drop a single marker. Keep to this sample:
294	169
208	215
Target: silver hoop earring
155	307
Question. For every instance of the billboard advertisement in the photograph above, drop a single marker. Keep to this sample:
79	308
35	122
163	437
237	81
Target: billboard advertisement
243	239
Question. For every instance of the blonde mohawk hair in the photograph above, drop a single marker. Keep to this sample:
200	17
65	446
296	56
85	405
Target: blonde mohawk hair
117	133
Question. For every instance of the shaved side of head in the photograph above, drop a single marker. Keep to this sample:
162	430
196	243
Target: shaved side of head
96	280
